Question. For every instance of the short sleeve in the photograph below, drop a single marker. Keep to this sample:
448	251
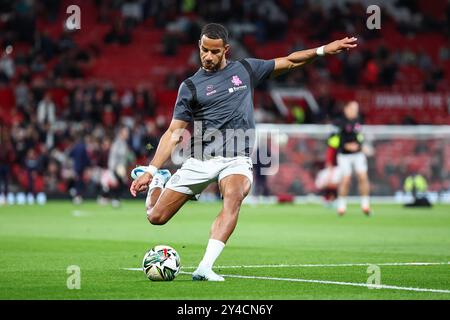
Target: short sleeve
183	110
261	69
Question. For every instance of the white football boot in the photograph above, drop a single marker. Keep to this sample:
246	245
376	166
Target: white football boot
206	274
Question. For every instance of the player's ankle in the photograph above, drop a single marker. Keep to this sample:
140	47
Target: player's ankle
204	265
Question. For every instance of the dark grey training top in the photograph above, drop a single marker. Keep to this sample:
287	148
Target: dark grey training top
221	105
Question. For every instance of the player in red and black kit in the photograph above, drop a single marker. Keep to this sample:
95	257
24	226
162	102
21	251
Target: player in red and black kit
351	158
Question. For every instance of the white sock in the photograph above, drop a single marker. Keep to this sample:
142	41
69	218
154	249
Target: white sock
213	251
148	199
157	182
342	203
365	203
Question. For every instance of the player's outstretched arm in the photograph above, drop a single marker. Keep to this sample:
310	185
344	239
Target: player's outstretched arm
300	58
166	145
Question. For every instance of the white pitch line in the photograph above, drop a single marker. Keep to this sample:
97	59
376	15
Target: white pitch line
354	284
330	265
318	265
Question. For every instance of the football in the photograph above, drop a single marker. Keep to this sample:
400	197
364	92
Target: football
138	171
161	263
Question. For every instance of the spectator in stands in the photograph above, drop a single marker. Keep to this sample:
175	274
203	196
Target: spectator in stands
120	157
136	137
119	33
52	177
150	138
370	71
144	103
81	161
31	165
22	94
6	159
132	12
46	117
76	105
7	67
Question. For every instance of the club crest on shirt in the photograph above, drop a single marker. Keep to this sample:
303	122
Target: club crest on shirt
237	84
236	81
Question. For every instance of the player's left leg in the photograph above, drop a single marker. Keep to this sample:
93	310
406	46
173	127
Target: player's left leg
234	189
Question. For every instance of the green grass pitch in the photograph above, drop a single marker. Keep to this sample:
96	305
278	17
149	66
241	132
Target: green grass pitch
38	243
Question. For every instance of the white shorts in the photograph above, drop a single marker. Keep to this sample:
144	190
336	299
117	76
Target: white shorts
348	162
195	175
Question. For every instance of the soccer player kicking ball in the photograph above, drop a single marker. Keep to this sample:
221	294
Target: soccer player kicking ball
219	98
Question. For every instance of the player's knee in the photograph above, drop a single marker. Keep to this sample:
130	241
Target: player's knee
156	220
234	196
346	180
362	177
156	217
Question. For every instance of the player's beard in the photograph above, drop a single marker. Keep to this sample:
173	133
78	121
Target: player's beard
212	66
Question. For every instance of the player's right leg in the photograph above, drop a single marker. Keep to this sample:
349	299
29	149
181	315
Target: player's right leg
161	204
345	167
166	194
363	182
364	189
167	203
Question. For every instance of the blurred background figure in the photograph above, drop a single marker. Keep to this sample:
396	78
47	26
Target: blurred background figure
31	165
120	157
7	66
351	158
417	185
328	179
81	162
46	110
6	160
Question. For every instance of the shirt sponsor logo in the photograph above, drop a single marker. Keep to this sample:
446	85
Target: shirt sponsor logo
210	90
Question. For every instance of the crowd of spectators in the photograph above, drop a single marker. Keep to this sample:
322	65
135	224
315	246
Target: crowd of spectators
45	125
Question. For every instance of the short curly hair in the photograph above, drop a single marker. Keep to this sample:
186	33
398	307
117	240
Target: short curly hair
215	31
